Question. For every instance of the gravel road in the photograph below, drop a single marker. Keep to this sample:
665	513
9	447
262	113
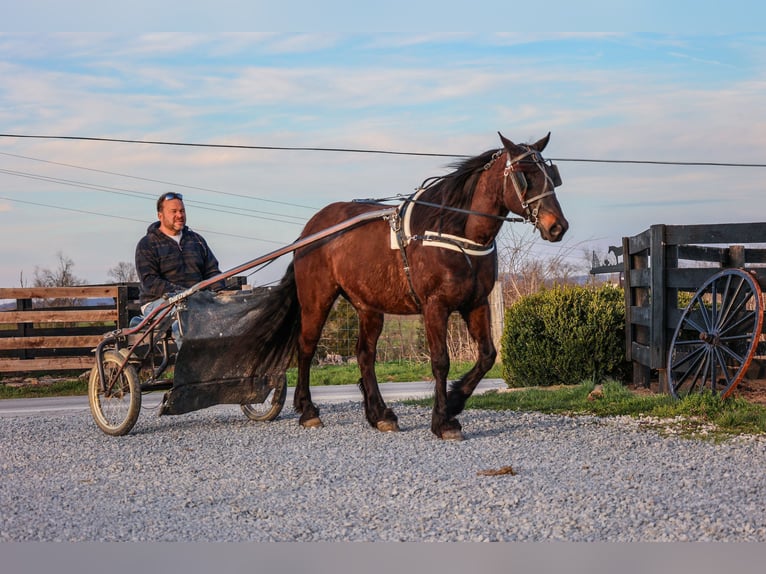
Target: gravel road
213	475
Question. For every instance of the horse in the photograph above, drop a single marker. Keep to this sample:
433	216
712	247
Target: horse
432	255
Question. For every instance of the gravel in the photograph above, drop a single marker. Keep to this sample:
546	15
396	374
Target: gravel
213	475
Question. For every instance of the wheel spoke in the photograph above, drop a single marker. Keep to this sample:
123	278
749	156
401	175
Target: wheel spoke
693	354
724	318
728	300
696	361
747	317
719	360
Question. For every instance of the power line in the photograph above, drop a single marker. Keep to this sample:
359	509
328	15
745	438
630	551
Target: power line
242	195
369	151
143	195
230	146
131	219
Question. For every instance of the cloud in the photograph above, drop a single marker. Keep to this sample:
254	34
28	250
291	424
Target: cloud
604	97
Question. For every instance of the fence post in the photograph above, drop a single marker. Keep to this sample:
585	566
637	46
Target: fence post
122	307
24	329
497	314
635	297
735	256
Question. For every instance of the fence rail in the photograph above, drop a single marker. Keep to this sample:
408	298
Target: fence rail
664	261
56	328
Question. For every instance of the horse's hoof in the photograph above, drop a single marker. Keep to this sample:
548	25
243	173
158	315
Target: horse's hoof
453	434
387	426
312	423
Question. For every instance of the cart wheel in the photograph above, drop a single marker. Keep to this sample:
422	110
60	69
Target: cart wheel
116	402
270	408
717	335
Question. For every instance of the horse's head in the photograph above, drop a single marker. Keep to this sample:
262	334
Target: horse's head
531	191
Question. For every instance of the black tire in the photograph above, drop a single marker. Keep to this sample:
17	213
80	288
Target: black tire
270	408
717	335
115	404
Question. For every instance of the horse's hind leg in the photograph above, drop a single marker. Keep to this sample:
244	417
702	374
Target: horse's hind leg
378	415
312	322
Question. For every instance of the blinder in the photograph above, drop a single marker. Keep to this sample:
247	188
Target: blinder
520	182
514	170
552	171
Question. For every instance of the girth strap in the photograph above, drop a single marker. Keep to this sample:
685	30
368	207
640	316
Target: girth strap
396	228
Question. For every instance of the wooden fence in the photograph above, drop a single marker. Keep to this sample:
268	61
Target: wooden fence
665	260
56	328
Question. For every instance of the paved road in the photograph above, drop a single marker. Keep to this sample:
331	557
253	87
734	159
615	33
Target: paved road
321	394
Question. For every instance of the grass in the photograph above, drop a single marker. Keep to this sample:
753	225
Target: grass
324	375
393	372
66	388
702	415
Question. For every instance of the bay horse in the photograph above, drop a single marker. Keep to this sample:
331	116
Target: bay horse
434	255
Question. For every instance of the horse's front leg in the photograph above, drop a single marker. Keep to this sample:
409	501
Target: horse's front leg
479	327
378	415
443	424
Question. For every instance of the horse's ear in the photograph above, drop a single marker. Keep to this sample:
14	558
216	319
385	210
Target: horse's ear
540	145
508	144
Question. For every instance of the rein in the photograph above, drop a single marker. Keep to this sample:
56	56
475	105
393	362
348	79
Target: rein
512	170
409	199
520	183
399	218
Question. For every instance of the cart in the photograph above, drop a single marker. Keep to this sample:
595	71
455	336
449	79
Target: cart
719	334
213	363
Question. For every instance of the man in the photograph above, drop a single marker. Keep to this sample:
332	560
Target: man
171	257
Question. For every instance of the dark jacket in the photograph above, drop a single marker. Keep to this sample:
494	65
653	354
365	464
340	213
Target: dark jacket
165	267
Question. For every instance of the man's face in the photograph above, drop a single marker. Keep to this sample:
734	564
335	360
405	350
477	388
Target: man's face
172	216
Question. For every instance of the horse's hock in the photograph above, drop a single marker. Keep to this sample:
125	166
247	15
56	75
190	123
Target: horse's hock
669	267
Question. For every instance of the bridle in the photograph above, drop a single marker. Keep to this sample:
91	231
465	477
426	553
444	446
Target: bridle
514	171
399	217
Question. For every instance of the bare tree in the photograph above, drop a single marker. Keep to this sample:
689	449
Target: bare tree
61	276
123	272
523	271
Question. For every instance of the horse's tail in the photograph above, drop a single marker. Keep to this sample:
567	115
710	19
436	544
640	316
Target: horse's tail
274	337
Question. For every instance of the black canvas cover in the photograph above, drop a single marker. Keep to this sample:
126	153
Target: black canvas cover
231	349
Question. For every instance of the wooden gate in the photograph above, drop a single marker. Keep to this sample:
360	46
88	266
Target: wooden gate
55	328
662	263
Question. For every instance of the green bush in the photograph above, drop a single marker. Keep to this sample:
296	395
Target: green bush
565	335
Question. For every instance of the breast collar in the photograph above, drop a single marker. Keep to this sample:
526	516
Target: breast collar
401	234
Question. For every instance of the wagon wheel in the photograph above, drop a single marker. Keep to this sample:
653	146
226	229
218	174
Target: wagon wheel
270	408
717	335
115	402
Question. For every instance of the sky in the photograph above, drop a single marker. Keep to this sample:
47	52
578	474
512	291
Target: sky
609	96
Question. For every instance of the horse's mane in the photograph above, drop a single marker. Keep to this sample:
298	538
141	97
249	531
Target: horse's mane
455	189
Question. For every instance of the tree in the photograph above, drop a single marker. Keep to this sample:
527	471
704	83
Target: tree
123	272
62	276
522	272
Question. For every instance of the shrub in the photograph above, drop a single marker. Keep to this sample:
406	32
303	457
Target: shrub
565	335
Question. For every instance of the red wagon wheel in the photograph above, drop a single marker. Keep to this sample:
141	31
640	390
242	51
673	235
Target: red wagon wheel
717	335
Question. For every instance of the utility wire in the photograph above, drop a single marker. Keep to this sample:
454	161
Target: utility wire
143	195
370	151
241	195
131	219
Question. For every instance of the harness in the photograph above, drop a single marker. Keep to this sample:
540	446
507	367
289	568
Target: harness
402	236
399	221
514	170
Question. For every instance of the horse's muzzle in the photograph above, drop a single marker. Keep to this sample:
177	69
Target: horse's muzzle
552	228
